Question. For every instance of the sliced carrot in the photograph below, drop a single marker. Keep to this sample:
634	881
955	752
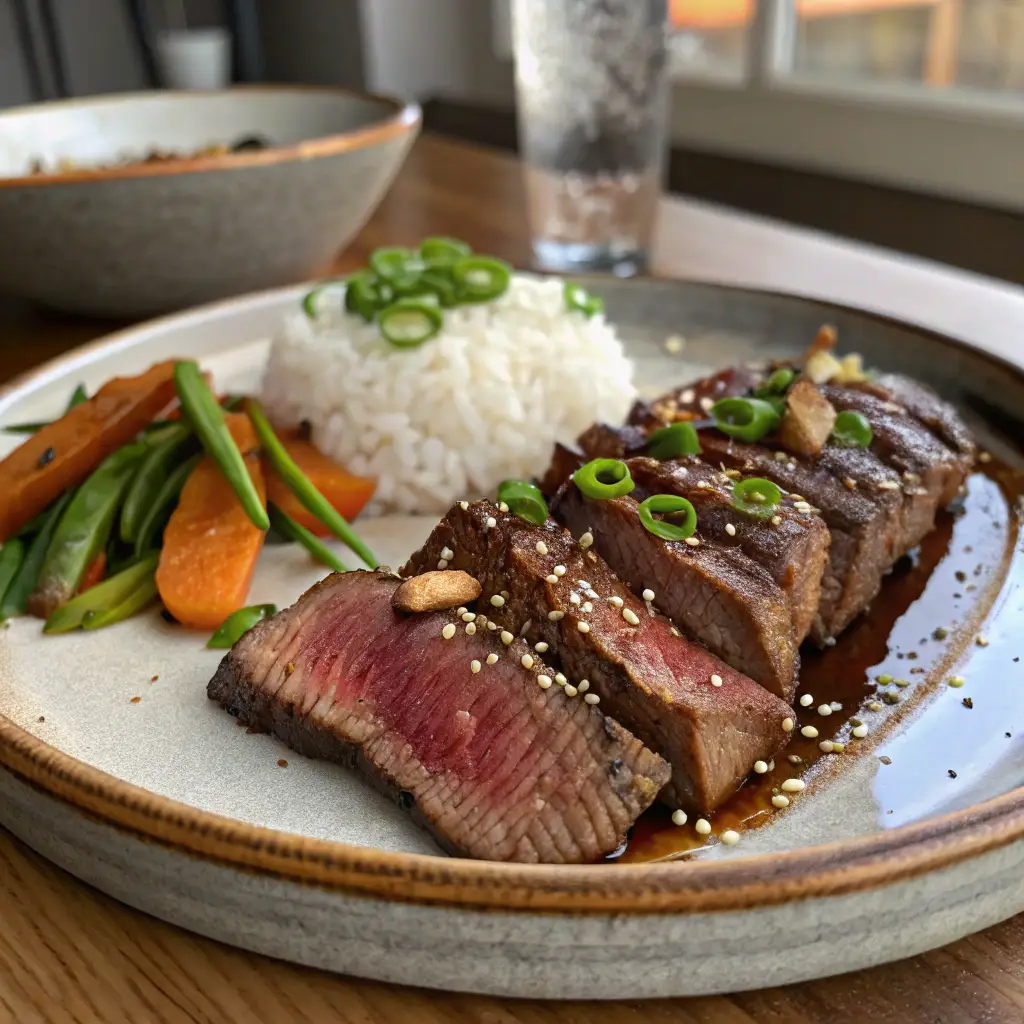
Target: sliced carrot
94	572
210	545
65	452
346	492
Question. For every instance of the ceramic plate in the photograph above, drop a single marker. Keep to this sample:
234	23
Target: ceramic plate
118	768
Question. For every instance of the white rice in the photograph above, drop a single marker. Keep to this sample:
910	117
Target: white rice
484	400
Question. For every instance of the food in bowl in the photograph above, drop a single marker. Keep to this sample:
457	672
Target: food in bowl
615	629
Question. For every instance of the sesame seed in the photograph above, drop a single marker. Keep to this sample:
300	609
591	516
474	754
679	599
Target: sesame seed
760	767
825	746
587	606
836	706
559	570
464	505
449	631
506	637
447	552
461	610
674	631
630	616
491	523
583	627
648	595
729	837
780	801
885	680
492	658
802	506
692	541
552	578
502	507
776	520
541	647
468	616
849	483
687	396
984	457
860	731
560	679
809	731
957	681
442	563
703	826
481	621
703	484
583	685
492	625
874	705
794	759
824	709
474	666
526	661
838	748
591	698
570	690
981	641
781	456
542	548
497	600
793	785
554	616
544	682
787	725
616	602
730	529
470	628
716	680
889	485
574	598
586	540
679	817
806	700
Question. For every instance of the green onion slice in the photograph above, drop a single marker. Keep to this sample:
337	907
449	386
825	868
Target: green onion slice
604	478
395	263
365	294
524	500
673	442
756	497
668	504
481	278
852	430
410	322
578	299
443	252
777	384
438	282
747	419
312	301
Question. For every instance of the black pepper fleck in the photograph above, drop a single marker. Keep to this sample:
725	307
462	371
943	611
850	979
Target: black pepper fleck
967	702
961	576
885	760
47	457
42	718
1009	734
940	633
615	767
951	773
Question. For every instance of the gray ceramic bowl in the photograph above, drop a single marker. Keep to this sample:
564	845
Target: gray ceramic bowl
144	238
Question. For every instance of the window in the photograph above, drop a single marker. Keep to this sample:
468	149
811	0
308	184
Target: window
924	94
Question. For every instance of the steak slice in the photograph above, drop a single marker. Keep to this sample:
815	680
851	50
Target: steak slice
715	594
793	550
661	686
495	766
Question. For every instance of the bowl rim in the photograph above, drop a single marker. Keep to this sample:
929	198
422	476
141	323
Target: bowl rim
404	117
828	869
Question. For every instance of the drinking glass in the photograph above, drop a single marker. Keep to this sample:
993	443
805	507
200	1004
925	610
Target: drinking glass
592	101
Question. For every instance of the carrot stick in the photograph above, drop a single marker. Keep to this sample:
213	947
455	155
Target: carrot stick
65	452
210	545
94	572
346	492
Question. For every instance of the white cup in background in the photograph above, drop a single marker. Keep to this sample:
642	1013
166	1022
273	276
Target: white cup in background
194	58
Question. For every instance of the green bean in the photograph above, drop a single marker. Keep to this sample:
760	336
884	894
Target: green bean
133	603
303	488
153	471
12	554
34	525
109	594
160	506
236	625
84	528
297	533
78	396
207	419
15	601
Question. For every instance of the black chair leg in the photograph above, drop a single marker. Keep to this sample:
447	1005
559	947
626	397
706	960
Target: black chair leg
142	29
27	48
249	59
54	48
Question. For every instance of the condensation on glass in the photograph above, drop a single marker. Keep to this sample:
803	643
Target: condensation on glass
591	79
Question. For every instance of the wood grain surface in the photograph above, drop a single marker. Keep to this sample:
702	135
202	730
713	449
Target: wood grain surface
68	953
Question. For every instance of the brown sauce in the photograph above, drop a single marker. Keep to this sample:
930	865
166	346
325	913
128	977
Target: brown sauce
964	581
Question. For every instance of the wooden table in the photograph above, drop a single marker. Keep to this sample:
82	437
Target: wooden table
68	953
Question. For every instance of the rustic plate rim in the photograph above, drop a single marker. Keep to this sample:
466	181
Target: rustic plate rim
768	879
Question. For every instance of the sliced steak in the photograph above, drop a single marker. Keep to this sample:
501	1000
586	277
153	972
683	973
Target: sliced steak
711	722
793	550
714	593
494	765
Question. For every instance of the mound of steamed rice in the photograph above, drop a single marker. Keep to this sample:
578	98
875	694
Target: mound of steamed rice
482	401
